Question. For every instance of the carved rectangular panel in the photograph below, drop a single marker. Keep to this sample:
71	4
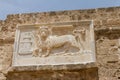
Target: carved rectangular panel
54	44
26	42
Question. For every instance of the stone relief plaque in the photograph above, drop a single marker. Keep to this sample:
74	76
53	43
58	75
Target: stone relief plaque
54	44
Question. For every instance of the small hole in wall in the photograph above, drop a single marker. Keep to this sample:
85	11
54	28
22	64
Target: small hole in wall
112	45
118	46
118	77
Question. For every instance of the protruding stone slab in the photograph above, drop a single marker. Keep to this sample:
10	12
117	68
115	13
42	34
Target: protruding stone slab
52	67
60	43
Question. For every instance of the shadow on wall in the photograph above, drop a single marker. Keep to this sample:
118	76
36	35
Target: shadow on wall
82	74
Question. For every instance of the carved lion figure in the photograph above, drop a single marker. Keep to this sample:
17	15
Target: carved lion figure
46	42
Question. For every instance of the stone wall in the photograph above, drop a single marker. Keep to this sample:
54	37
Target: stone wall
107	33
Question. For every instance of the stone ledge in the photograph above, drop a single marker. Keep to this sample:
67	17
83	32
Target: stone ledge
52	67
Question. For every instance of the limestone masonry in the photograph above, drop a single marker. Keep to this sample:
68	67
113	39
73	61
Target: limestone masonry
62	45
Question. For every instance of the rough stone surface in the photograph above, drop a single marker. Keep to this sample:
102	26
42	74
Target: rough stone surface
107	33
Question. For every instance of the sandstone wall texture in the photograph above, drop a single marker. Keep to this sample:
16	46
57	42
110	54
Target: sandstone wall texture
107	38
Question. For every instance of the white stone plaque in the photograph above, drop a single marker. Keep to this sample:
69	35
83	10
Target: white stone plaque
54	44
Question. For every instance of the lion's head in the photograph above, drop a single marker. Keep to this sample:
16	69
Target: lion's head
44	31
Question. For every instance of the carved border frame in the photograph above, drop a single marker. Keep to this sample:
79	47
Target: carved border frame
20	26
